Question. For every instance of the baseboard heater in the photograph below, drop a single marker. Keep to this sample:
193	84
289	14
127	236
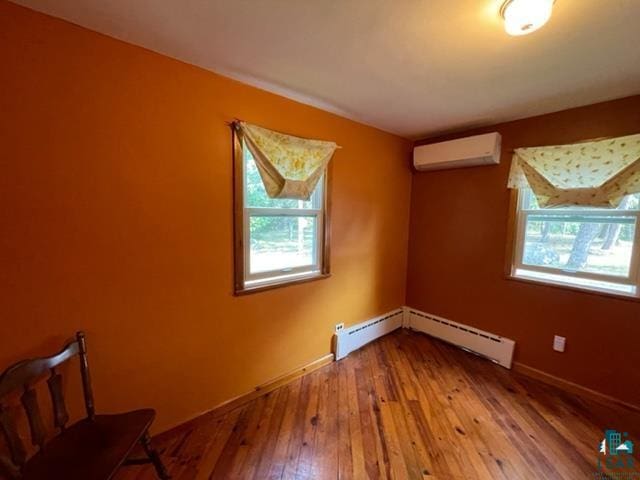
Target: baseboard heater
489	345
495	348
355	337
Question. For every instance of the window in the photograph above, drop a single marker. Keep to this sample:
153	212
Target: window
278	241
590	248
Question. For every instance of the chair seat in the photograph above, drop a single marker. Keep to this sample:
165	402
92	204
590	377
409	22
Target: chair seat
90	450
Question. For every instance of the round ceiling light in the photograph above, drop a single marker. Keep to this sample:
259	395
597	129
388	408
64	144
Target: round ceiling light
525	16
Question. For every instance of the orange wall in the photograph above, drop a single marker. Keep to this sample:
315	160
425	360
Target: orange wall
116	218
457	257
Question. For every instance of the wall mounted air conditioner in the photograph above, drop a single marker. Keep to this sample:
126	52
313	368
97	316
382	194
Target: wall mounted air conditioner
463	152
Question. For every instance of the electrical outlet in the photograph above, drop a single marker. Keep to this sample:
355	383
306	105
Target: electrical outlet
339	327
559	343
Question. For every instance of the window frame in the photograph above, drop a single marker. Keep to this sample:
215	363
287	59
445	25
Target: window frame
247	282
515	257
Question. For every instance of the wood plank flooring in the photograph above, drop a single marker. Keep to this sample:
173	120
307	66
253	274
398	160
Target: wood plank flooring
404	407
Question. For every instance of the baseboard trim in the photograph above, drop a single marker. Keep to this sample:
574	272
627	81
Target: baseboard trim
271	385
571	387
262	389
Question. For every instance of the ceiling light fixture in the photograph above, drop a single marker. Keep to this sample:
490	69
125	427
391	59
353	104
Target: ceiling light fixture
525	16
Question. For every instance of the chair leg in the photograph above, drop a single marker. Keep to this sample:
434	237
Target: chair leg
154	457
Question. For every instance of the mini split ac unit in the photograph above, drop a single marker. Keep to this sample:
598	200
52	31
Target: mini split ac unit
463	152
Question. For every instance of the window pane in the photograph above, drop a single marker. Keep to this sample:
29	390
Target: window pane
256	195
281	242
600	245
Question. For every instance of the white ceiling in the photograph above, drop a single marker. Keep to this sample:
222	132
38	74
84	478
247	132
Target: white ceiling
412	67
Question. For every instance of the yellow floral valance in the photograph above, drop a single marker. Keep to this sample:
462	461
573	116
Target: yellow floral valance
289	166
596	173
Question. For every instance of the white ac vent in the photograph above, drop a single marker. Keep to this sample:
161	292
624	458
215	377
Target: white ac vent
355	337
494	347
463	152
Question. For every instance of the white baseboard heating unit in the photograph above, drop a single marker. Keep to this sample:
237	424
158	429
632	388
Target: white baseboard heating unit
355	337
491	346
495	348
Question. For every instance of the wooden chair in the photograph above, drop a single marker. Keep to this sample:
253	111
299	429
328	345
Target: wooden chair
92	449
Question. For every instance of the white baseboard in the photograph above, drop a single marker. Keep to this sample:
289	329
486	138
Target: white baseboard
357	336
489	345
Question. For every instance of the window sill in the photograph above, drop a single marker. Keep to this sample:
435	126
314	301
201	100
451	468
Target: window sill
261	287
593	290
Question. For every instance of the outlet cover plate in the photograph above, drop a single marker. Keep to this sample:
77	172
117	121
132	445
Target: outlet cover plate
559	343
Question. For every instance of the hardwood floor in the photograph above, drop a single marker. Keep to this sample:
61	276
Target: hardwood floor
405	406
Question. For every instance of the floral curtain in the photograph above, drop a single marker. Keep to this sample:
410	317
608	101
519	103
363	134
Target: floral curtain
596	173
290	167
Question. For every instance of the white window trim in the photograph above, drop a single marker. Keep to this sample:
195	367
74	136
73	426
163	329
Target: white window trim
285	275
627	286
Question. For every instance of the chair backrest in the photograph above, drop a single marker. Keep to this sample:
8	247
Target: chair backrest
23	376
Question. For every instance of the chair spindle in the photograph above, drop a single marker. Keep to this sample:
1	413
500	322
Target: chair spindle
60	414
16	448
29	401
